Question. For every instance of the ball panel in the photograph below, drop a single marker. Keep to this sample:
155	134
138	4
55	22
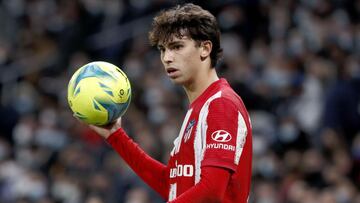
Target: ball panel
93	70
86	104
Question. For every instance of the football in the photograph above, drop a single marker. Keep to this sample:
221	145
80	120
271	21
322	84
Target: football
99	93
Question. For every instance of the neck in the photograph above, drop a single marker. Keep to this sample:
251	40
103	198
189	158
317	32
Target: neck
197	87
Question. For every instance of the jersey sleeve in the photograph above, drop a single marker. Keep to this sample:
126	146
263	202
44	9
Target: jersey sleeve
225	135
154	173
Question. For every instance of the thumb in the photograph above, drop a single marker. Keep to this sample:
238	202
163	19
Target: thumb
116	125
103	132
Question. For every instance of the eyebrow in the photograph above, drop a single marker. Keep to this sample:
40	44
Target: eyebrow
173	43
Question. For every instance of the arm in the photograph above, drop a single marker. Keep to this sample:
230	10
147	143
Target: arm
151	171
210	189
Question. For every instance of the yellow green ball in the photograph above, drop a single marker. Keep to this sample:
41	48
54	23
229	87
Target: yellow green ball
99	93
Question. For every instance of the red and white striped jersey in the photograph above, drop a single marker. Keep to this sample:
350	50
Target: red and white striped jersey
216	132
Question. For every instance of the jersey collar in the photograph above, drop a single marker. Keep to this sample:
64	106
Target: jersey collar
212	89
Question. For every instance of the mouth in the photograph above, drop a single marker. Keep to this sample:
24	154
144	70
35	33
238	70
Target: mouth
172	72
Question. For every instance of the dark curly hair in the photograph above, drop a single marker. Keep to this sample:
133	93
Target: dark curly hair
187	20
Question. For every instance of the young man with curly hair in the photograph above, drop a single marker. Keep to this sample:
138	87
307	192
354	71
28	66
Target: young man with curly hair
211	158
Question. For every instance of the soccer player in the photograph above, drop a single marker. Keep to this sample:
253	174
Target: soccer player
211	158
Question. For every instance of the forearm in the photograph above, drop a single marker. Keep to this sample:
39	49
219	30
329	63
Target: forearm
151	171
210	189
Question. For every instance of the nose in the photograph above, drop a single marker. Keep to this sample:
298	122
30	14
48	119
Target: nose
167	56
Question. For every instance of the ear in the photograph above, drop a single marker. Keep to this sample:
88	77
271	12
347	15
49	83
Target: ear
205	49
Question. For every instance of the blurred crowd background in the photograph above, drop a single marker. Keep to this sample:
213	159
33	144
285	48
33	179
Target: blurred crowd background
295	63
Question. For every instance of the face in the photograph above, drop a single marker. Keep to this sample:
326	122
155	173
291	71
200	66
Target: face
181	58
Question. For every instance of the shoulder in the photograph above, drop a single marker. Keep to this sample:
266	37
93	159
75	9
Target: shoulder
224	102
223	97
228	98
224	106
228	103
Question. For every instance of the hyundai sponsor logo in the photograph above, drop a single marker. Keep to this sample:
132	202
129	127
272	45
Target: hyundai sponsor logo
220	146
221	136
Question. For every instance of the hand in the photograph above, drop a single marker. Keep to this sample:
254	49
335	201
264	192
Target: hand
106	130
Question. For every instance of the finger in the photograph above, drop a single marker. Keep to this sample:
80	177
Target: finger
93	127
81	121
118	121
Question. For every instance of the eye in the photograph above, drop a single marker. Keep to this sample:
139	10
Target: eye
177	47
161	49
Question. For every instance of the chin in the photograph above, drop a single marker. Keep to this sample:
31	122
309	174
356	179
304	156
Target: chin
180	81
176	81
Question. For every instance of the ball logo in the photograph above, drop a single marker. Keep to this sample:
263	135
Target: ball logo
221	136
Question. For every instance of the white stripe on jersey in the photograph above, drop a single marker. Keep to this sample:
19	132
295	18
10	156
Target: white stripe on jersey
240	138
177	141
200	136
172	193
